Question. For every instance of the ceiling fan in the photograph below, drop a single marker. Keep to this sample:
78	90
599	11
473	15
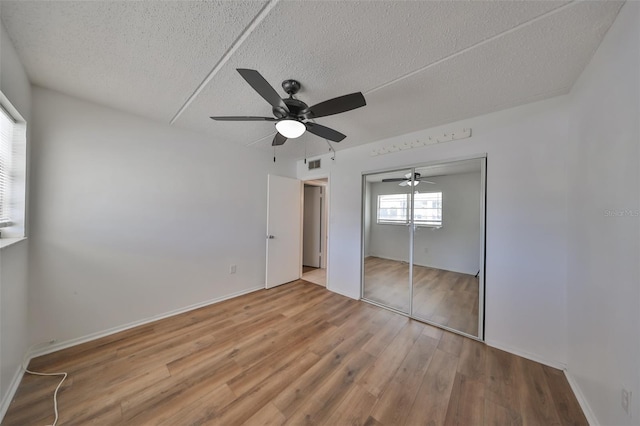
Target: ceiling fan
292	115
406	180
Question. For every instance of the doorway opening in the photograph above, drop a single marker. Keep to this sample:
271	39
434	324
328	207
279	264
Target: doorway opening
314	231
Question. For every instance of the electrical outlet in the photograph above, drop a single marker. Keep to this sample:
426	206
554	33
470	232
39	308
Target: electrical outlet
626	399
232	269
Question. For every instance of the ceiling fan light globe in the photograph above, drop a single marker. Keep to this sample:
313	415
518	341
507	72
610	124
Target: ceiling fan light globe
290	129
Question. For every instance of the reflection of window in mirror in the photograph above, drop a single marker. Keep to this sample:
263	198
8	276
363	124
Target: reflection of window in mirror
394	209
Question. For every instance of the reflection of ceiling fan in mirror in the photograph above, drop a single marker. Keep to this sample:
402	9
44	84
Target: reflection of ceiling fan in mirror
406	180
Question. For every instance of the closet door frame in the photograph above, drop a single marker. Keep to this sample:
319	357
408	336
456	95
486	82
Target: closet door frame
482	242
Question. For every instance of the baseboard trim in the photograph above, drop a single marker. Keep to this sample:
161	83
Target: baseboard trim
527	355
350	296
94	336
11	391
586	408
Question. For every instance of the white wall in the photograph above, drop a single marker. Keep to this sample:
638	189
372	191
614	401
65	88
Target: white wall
526	219
453	247
604	249
132	219
13	259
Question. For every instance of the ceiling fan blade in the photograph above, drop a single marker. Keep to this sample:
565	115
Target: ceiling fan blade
243	118
264	89
278	140
394	180
405	183
426	181
337	105
325	132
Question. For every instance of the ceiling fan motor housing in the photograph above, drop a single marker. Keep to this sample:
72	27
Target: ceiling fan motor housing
291	87
297	109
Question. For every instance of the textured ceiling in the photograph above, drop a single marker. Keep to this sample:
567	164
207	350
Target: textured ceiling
419	64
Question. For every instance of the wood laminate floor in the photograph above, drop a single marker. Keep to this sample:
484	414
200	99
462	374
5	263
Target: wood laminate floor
315	275
295	354
443	297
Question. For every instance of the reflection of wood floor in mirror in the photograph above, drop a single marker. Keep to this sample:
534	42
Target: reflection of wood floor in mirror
443	297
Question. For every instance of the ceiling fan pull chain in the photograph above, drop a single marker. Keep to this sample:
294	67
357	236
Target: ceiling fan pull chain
333	151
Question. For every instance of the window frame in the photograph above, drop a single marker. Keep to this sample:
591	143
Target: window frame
13	228
6	169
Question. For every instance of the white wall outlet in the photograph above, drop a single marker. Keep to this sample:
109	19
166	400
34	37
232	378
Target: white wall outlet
626	400
232	269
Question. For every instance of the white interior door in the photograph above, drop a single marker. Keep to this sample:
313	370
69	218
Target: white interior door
284	230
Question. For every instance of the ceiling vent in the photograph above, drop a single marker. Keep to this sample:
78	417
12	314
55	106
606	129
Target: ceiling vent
314	164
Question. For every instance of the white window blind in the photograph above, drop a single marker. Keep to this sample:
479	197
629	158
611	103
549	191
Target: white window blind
7	135
395	209
427	209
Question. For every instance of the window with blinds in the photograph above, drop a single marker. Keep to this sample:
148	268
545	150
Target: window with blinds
7	135
395	209
427	209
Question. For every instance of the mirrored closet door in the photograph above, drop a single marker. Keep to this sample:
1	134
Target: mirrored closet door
386	256
423	243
